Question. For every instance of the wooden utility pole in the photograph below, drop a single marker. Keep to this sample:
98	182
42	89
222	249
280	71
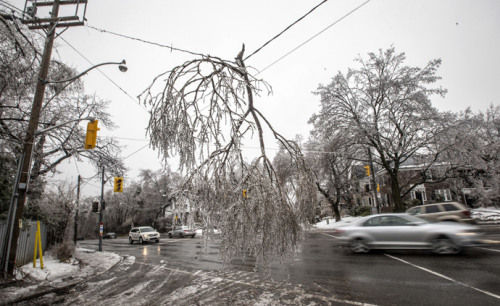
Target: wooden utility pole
21	186
30	136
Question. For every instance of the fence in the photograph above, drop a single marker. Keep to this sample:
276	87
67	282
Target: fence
26	241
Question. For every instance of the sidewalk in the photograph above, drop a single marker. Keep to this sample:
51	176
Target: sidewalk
56	277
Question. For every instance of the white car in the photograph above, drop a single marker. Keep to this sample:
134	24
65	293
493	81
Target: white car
143	234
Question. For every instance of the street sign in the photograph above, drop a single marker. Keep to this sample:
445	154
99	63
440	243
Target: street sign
101	229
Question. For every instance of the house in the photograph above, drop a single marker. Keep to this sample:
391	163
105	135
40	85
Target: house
435	187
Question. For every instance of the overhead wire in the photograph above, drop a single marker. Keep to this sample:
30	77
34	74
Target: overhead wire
286	29
314	36
104	74
11	6
172	48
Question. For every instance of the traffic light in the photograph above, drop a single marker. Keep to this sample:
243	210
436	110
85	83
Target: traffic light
91	137
95	207
118	187
367	170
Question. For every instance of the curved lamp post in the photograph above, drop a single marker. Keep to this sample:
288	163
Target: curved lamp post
22	178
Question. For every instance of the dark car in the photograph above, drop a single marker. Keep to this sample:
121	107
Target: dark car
109	236
182	231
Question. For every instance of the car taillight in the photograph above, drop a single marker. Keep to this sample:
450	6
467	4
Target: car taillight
338	232
466	213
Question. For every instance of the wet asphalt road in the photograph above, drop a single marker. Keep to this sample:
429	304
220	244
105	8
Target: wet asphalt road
188	272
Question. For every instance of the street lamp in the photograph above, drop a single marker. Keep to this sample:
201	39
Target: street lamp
122	66
22	179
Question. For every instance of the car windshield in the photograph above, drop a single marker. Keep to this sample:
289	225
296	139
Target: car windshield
147	229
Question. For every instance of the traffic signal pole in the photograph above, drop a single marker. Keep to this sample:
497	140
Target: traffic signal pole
22	186
100	210
75	236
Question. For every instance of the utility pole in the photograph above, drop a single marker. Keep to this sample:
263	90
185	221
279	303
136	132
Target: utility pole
75	237
30	135
21	185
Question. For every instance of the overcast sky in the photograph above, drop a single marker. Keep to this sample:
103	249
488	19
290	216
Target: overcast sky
464	34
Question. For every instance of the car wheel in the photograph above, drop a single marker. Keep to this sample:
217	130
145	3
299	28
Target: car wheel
359	246
157	240
130	240
140	240
444	246
169	235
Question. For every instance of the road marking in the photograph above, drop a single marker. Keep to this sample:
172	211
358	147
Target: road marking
444	276
491	241
493	250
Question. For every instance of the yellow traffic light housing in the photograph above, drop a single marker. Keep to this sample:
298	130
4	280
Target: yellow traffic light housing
244	193
367	170
118	187
91	137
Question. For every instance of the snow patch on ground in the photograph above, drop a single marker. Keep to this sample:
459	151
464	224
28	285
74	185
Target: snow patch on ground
84	263
488	215
53	269
331	223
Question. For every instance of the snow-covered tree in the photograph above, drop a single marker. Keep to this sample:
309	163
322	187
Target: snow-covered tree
387	106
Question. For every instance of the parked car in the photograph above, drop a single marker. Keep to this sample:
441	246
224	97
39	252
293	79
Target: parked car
440	212
109	235
403	231
143	234
181	232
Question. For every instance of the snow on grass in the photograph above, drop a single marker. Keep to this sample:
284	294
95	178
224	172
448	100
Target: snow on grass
488	215
331	223
84	263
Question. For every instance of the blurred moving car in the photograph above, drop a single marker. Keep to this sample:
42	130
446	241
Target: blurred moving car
403	231
109	235
143	234
182	231
445	211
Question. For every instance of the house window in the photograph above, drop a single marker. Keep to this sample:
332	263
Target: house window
418	194
443	194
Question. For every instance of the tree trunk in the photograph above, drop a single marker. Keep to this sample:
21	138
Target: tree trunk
334	204
396	194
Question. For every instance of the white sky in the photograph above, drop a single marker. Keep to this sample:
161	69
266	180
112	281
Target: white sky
464	34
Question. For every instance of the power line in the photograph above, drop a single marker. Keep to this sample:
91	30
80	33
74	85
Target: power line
147	41
11	6
286	29
142	148
104	74
315	35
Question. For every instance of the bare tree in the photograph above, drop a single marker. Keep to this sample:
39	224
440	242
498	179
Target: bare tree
19	64
202	113
387	105
332	155
475	157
